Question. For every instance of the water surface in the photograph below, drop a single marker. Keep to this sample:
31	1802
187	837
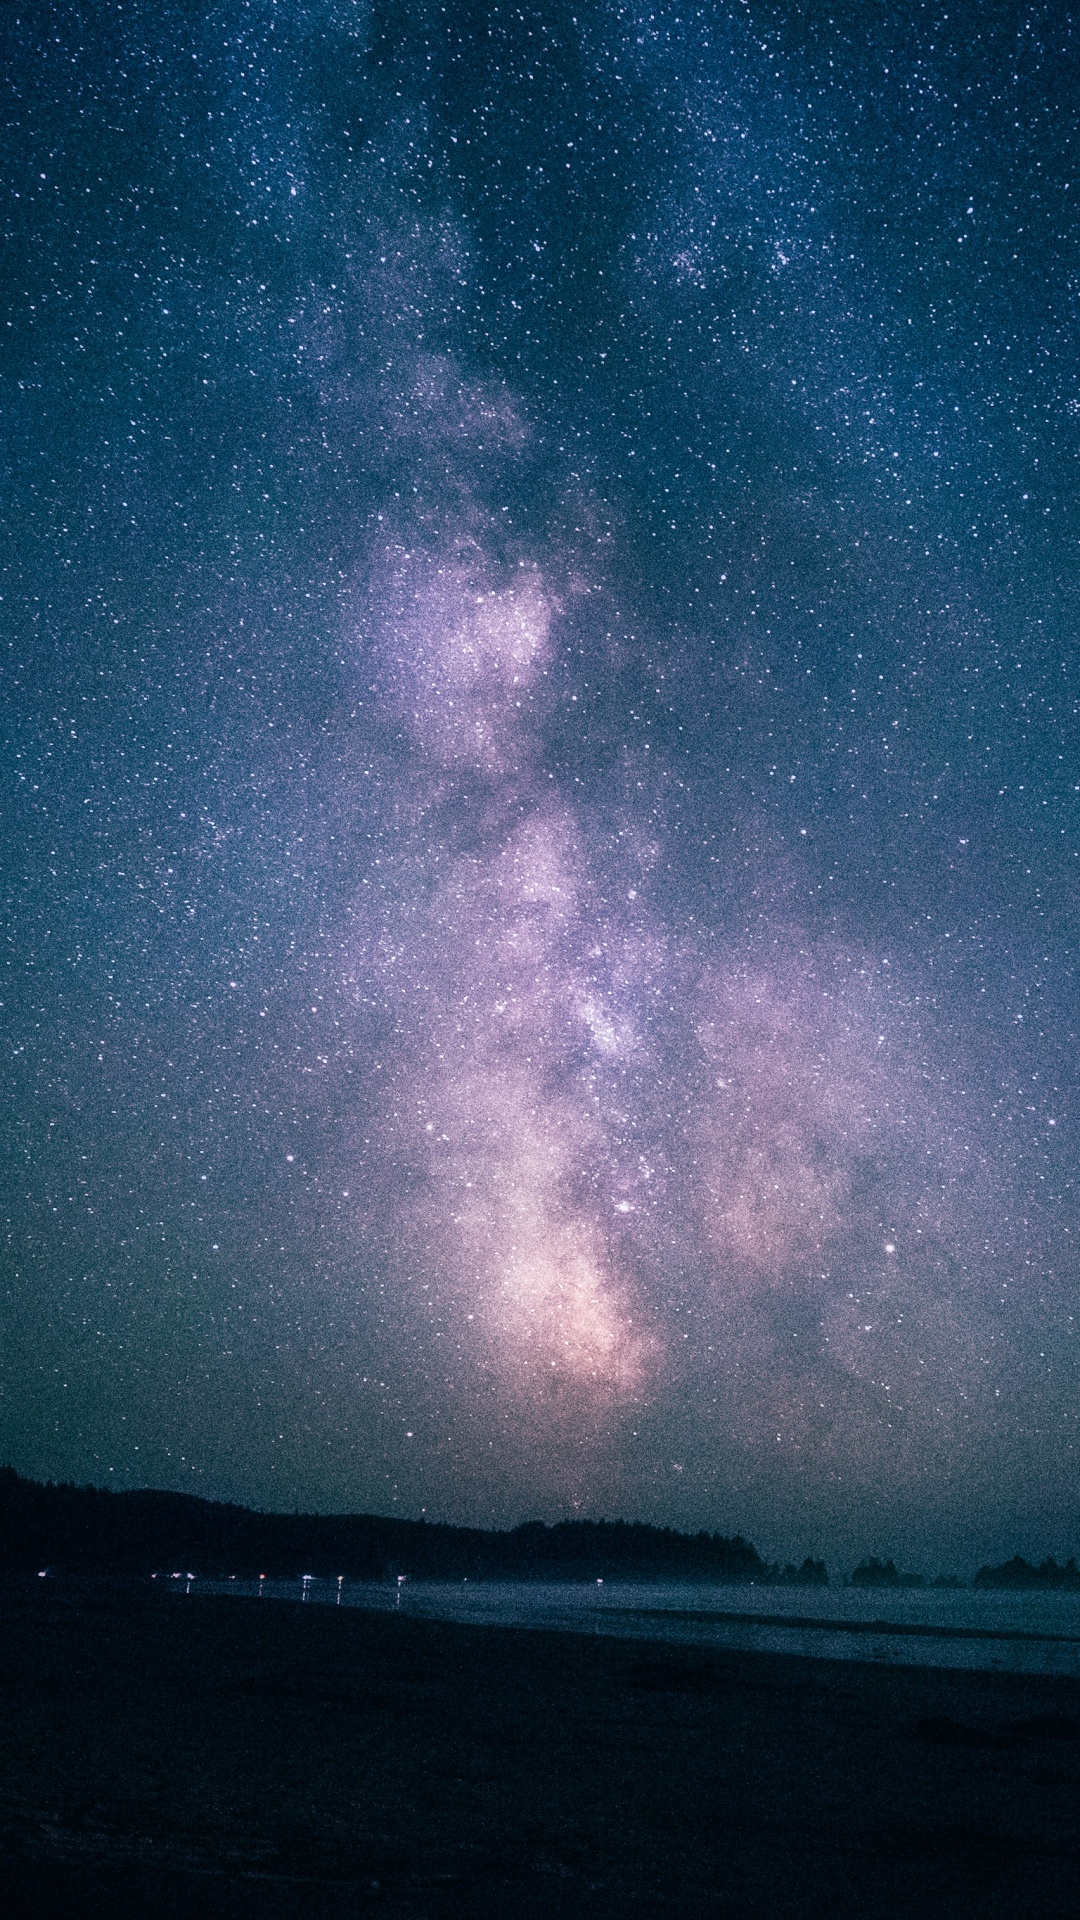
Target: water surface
934	1627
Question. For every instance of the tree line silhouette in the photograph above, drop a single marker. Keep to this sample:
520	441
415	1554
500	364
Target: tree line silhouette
1016	1573
94	1530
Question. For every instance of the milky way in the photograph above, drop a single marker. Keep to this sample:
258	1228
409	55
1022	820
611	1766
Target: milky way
541	835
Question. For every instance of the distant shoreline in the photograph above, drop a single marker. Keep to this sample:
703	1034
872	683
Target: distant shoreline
99	1530
795	1620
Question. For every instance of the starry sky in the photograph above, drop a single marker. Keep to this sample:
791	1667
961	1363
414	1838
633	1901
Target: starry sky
540	770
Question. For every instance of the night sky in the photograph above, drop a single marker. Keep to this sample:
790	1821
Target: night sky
540	763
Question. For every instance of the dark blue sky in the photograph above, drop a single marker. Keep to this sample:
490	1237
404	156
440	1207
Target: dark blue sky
540	763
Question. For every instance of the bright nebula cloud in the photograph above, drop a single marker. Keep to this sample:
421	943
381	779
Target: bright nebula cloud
541	704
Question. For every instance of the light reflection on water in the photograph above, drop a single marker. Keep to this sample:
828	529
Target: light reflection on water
1006	1632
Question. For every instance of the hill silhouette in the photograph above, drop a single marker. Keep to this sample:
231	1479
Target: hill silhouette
1020	1574
883	1573
94	1530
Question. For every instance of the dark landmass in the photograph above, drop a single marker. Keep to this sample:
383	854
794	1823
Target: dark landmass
70	1529
91	1530
1020	1574
883	1573
1016	1573
812	1573
162	1756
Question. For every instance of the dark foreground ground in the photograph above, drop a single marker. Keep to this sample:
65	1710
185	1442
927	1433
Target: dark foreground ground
163	1756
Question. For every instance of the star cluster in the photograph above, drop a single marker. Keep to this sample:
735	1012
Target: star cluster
541	785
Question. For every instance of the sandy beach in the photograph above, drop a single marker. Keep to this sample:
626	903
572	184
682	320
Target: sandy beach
164	1756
